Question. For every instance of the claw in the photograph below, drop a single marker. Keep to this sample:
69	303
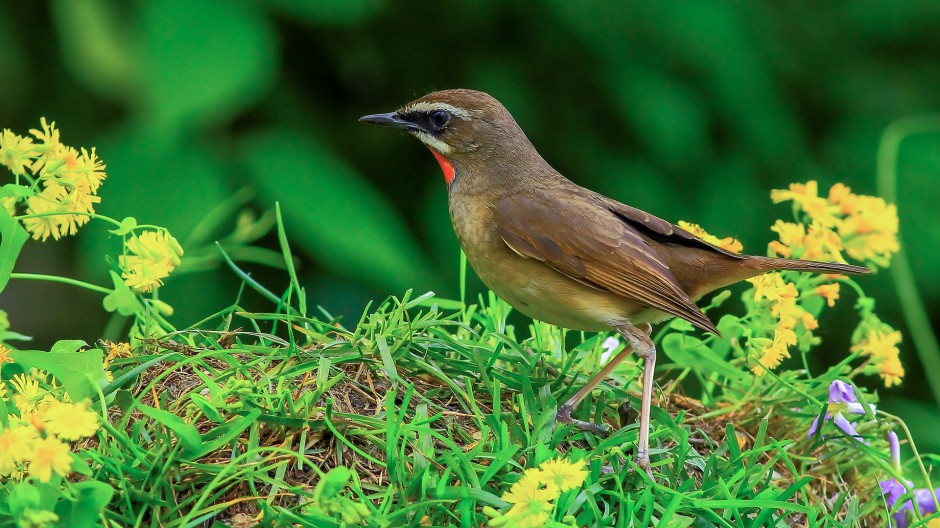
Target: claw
564	416
643	462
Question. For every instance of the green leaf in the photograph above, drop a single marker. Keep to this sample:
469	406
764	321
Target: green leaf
731	328
687	351
67	346
122	299
24	496
127	225
80	372
226	433
12	238
90	499
338	218
204	60
12	189
96	46
187	435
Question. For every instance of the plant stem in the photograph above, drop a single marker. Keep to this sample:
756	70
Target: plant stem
912	305
65	280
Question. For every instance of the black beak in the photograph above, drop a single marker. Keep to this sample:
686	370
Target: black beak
391	119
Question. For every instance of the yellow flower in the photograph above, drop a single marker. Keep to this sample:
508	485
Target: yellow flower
830	292
562	474
115	350
5	355
16	442
50	455
772	287
774	353
728	243
841	195
8	203
28	393
16	151
807	197
531	503
791	235
882	347
871	231
70	421
49	147
73	207
891	370
153	255
809	322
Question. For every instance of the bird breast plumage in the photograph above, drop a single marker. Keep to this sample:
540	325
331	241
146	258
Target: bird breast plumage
532	287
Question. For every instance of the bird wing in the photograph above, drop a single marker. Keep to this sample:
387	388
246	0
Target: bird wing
594	246
657	228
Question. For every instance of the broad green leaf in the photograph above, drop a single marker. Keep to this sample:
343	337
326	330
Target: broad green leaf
204	60
67	346
90	499
691	352
80	372
12	189
187	435
122	299
332	213
12	238
731	328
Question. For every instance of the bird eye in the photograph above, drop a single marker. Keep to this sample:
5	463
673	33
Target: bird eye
439	118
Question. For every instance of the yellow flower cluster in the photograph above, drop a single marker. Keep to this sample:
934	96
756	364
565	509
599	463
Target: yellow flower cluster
67	181
150	258
532	498
727	243
790	317
114	351
880	345
35	443
865	227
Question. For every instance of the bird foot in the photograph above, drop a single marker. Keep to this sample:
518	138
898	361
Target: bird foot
564	416
643	462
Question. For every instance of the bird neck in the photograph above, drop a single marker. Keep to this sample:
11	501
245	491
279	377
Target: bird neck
498	169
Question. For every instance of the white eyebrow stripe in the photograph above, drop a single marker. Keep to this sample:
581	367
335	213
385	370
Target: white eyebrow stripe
424	106
433	142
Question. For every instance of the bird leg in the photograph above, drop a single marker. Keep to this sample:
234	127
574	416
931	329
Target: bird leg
638	339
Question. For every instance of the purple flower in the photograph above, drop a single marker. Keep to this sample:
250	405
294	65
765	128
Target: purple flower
842	401
893	489
895	447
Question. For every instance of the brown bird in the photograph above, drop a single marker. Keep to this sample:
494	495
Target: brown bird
561	253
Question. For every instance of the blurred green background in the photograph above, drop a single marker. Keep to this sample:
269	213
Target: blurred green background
688	109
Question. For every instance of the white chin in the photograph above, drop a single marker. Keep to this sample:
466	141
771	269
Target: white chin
433	142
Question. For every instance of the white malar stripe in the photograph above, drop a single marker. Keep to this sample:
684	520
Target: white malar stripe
424	106
433	142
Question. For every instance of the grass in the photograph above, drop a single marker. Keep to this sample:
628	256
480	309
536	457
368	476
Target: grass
436	411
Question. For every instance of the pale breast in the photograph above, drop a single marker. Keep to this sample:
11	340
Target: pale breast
530	286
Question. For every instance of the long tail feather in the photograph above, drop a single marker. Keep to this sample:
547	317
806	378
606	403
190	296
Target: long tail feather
772	264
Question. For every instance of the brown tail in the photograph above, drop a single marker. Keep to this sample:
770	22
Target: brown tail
775	264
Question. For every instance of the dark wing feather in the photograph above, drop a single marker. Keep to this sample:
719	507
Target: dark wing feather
592	245
657	228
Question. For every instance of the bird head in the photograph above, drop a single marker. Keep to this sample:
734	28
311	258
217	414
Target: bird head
460	127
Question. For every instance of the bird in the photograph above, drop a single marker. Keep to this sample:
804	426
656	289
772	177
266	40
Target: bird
564	254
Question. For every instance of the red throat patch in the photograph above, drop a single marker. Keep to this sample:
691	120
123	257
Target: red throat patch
445	166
